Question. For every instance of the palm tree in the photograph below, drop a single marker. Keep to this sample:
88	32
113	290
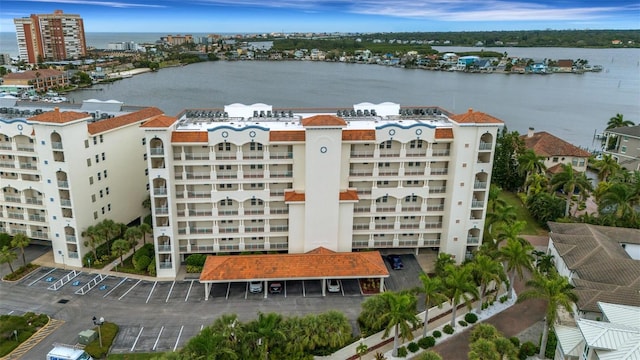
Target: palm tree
486	270
569	181
518	258
503	216
618	121
267	332
493	200
536	183
230	328
621	200
21	241
607	167
511	231
337	330
8	256
93	241
460	286
146	229
556	291
433	290
120	247
132	234
400	316
530	163
210	345
429	355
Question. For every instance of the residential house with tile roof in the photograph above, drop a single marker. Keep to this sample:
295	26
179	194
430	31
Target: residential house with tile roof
556	151
65	168
626	149
254	178
602	262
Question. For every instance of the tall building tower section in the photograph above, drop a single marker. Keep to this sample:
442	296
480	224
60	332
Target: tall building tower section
376	176
45	37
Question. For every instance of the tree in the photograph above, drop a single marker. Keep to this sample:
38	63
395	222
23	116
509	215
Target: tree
400	315
505	166
210	345
618	121
530	163
621	200
94	239
518	258
442	262
556	291
266	332
146	229
429	355
607	167
21	241
503	216
483	349
434	295
460	287
568	181
486	270
494	200
7	256
120	247
536	184
132	234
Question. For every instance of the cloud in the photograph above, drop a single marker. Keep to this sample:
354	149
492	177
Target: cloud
113	4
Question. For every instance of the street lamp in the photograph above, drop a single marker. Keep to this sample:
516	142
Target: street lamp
64	266
99	323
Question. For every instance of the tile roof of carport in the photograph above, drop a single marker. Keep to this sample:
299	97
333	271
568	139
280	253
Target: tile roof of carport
316	264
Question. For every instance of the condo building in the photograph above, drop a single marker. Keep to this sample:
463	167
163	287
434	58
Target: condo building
253	178
62	171
50	37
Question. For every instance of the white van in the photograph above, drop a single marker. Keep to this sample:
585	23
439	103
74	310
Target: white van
67	352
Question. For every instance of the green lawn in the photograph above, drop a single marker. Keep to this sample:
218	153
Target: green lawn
532	227
140	356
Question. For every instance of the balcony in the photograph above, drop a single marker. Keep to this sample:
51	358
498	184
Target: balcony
254	212
200	212
253	155
63	184
165	265
439	171
384	226
276	192
253	174
410	226
254	229
198	194
484	146
34	201
156	151
65	202
198	175
164	248
385	154
361	154
226	156
25	148
5	146
360	226
433	225
416	153
411	208
279	228
7	164
361	209
70	238
281	174
39	235
278	211
435	208
56	145
393	172
159	191
228	230
385	209
360	172
281	155
14	199
37	218
196	156
199	230
473	240
480	185
227	212
441	153
477	204
14	215
73	254
437	189
162	210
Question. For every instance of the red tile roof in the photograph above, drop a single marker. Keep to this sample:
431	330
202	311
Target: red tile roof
122	120
545	144
349	195
31	74
293	196
445	133
317	264
323	120
160	121
189	137
350	135
287	135
475	117
57	117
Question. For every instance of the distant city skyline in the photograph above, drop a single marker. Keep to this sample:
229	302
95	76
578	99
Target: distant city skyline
364	16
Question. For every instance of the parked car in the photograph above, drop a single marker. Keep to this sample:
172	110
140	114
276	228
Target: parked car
275	288
333	285
255	287
395	262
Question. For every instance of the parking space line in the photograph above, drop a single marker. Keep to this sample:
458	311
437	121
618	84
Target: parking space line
41	277
151	292
285	288
178	339
341	287
246	291
137	337
201	327
157	339
10	312
131	288
304	290
170	290
110	291
189	291
228	289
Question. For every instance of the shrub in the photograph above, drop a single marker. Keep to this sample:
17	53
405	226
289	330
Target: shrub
109	331
196	259
485	306
380	356
152	268
462	323
437	334
427	342
413	347
192	269
503	299
527	349
471	318
141	263
552	343
402	351
515	341
448	329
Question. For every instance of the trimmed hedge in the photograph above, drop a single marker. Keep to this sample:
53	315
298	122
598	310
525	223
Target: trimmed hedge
448	329
427	342
437	334
471	318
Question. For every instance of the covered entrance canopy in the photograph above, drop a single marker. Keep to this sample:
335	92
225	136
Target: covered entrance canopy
317	264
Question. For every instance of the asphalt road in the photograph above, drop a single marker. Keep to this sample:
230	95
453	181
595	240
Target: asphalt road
162	316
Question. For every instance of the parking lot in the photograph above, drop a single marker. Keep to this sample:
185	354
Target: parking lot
68	284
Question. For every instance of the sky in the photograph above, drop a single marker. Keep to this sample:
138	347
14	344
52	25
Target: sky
354	16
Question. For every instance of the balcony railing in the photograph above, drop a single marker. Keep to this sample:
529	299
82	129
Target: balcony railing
34	201
39	235
416	153
198	175
159	191
279	228
156	151
253	174
477	204
384	226
198	194
7	164
25	148
439	171
254	229
437	189
485	146
228	230
361	226
4	146
253	155
278	211
433	225
276	192
70	238
360	172
473	240
226	156
28	166
281	155
199	230
65	202
73	254
15	199
389	153
281	174
63	184
196	156
410	226
13	215
385	209
56	145
227	212
362	154
200	212
480	185
254	211
441	152
165	265
164	247
435	208
162	210
361	209
411	208
37	218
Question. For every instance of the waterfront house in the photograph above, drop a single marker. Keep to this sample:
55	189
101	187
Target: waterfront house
42	80
623	144
466	61
564	65
556	151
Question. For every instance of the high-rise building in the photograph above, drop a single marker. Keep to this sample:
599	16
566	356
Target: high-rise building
63	170
376	176
56	36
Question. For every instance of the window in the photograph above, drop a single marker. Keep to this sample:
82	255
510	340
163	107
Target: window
224	147
93	198
385	144
105	174
581	163
254	167
415	144
384	164
382	182
555	159
147	186
623	149
144	156
101	138
256	186
255	202
88	161
383	199
101	194
224	167
144	141
90	180
103	210
227	202
108	207
99	176
95	215
103	156
146	172
255	146
106	190
415	164
95	140
86	144
411	198
97	158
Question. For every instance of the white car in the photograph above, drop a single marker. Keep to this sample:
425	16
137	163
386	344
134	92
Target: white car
255	287
333	285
